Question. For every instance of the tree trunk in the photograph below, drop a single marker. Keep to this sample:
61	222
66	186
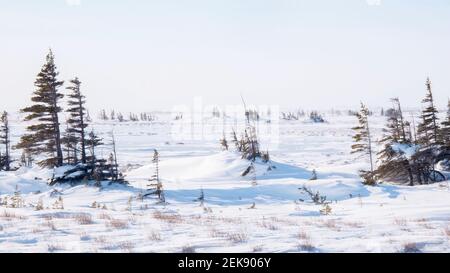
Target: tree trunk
7	155
59	154
370	144
83	144
411	177
57	132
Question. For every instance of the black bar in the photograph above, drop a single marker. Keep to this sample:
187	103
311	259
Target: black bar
310	263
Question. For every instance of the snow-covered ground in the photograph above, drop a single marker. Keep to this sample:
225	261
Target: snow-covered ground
386	218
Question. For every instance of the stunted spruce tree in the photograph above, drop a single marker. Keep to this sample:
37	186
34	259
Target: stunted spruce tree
5	159
156	188
428	129
93	141
445	130
76	123
444	136
363	143
394	164
70	142
429	139
44	137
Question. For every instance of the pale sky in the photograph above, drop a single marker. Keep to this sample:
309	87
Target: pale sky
146	55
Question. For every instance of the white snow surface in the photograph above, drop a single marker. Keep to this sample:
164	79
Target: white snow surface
387	218
406	150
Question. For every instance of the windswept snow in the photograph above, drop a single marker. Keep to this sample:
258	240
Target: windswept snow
387	218
405	149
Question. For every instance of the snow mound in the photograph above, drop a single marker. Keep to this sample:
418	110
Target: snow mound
26	180
218	167
220	176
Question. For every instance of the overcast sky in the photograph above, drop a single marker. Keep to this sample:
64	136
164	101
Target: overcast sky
146	55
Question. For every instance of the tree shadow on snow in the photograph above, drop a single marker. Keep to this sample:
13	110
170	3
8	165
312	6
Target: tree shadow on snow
283	171
391	190
265	194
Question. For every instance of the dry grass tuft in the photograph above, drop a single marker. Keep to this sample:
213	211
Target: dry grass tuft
155	236
36	231
85	237
215	233
188	249
306	246
126	246
104	216
427	226
447	231
8	216
332	224
268	225
50	224
169	218
132	220
228	220
354	224
48	217
84	219
237	237
258	248
101	240
55	248
401	222
411	248
117	224
303	236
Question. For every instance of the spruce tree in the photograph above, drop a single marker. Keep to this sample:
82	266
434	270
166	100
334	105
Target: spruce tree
114	164
402	123
88	116
156	188
120	117
70	142
44	135
428	129
236	142
363	141
103	115
445	130
224	143
444	136
393	165
5	160
77	121
92	142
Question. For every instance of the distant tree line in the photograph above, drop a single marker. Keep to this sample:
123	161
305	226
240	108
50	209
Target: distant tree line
118	116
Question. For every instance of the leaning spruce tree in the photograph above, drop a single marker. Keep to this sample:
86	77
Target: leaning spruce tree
44	137
70	142
92	142
392	164
363	142
444	134
156	187
428	129
5	160
77	122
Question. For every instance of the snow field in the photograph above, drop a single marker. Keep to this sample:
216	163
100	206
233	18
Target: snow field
387	218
